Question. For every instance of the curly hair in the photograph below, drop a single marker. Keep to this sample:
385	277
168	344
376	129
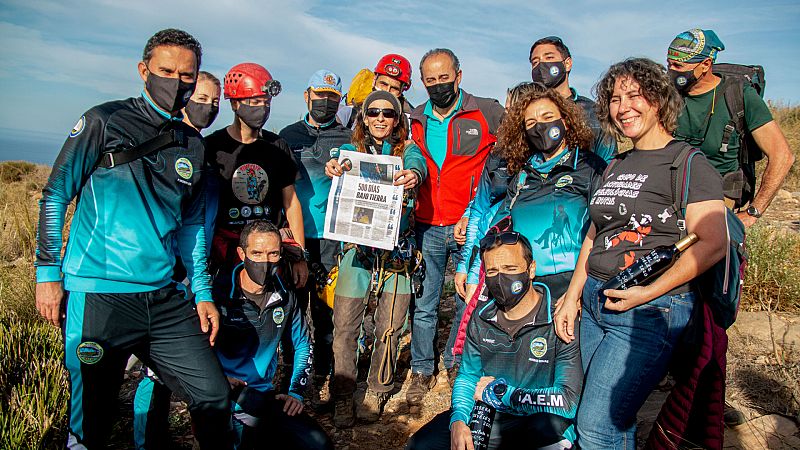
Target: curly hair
397	139
175	38
511	137
654	85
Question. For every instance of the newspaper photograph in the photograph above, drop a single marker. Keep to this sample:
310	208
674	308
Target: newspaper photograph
363	205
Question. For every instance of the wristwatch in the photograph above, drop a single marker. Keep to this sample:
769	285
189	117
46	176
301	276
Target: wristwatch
499	389
753	211
306	255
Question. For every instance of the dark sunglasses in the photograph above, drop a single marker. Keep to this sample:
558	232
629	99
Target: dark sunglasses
387	112
505	238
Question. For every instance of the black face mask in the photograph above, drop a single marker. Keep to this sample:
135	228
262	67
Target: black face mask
508	289
683	81
323	110
201	115
551	73
546	137
443	94
169	94
261	273
253	116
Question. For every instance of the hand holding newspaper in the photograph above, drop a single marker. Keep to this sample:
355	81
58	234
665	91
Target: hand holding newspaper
364	207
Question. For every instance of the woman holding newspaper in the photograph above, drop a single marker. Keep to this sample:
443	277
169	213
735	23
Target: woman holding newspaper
366	271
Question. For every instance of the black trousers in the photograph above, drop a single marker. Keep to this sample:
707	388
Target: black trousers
162	329
509	432
261	423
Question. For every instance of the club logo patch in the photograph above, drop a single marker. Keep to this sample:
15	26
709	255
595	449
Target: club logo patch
184	168
516	287
258	211
334	153
329	79
554	70
89	352
78	128
681	80
278	315
246	211
563	181
539	347
554	133
250	184
233	213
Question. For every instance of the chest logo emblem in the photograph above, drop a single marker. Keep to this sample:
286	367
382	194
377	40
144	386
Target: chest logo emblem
539	347
563	181
184	168
250	184
278	315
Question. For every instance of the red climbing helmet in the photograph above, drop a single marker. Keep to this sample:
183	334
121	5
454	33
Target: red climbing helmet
395	66
247	80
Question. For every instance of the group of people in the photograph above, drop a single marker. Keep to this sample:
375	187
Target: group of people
221	258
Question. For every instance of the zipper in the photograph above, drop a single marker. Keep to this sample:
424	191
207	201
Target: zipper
471	186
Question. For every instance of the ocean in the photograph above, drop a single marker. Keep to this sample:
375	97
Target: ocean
40	148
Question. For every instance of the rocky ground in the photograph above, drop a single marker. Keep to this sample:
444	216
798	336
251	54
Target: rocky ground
763	374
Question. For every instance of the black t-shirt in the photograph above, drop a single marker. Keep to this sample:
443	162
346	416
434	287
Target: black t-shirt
631	210
251	178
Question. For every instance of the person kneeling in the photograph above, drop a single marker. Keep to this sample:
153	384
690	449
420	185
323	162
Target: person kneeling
258	306
513	361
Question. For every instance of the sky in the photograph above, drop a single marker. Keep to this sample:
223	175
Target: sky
61	58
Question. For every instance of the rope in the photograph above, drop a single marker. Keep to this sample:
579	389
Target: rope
386	368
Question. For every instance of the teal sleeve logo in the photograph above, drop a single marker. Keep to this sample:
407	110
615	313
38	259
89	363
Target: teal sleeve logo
78	128
89	352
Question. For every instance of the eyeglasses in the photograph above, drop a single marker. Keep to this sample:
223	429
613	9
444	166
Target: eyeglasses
387	113
505	238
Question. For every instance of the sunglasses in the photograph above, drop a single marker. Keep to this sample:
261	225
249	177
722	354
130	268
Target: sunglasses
505	238
387	113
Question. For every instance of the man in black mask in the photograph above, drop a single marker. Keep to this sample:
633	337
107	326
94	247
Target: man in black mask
551	64
259	311
255	171
513	361
314	140
136	156
455	131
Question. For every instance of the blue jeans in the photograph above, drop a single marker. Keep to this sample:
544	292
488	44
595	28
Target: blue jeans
437	244
624	356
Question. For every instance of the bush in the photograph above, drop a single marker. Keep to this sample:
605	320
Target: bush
772	281
11	171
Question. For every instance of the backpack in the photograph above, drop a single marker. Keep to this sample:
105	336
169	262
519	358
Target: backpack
734	77
721	285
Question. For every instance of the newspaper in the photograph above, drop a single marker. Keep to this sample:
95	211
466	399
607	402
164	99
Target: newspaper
363	205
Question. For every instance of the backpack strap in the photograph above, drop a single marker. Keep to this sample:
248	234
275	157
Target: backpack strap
681	167
172	137
733	90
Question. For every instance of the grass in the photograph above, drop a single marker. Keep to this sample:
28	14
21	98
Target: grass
772	281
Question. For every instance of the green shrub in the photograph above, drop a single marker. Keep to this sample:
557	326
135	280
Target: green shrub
772	281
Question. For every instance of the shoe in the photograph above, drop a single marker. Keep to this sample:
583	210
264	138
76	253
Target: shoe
420	385
732	416
343	416
320	395
452	373
370	409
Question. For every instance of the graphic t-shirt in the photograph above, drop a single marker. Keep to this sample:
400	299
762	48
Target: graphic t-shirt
632	209
251	178
704	131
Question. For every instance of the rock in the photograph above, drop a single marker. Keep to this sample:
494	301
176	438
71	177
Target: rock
773	432
786	331
783	195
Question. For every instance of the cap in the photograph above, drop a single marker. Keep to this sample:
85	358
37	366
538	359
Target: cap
325	81
695	46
